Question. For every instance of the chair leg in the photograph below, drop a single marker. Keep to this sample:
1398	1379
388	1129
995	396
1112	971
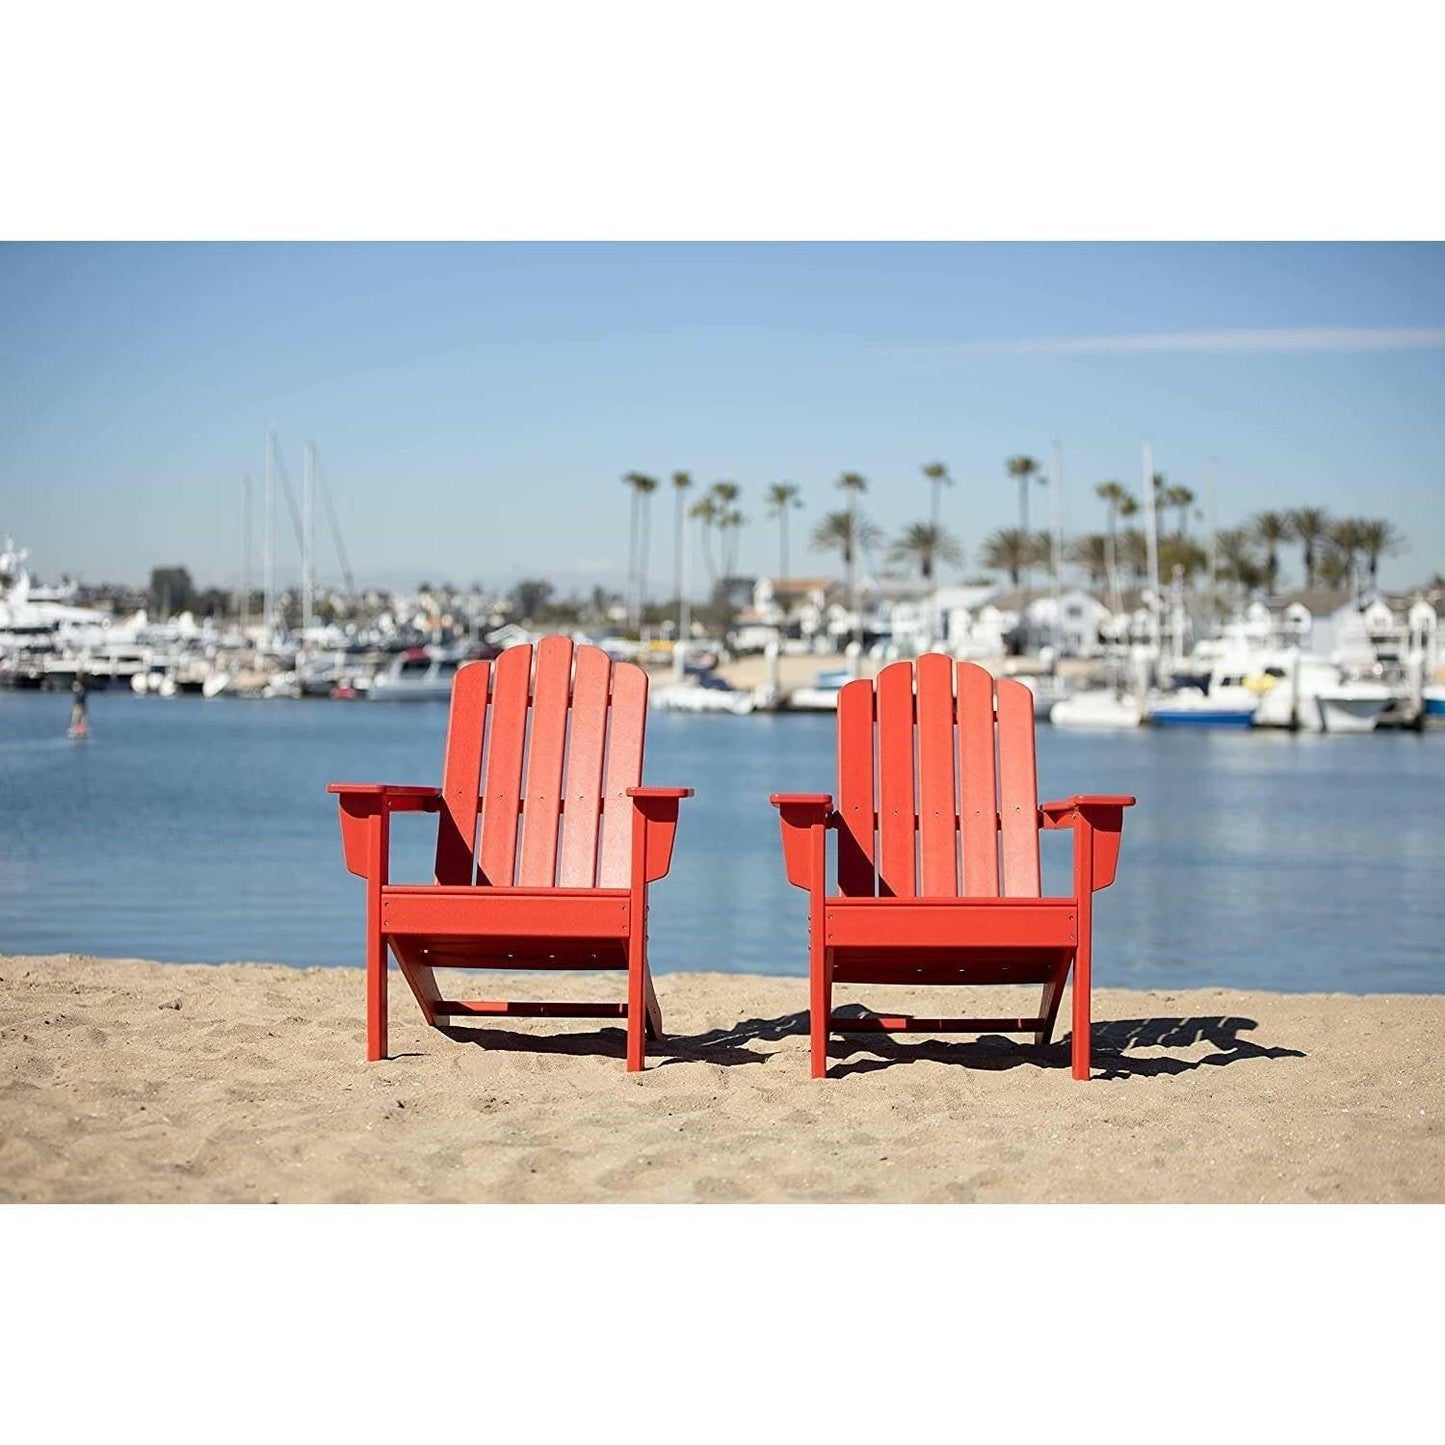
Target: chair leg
1049	1005
654	1009
820	1005
636	1003
375	992
1082	1022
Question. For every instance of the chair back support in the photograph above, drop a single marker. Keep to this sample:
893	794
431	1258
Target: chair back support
937	792
545	754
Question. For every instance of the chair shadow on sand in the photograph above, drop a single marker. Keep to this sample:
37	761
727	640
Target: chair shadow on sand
1110	1042
728	1047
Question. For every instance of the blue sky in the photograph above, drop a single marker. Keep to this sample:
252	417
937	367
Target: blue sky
474	406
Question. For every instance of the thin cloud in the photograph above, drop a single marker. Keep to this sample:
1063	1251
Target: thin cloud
1244	342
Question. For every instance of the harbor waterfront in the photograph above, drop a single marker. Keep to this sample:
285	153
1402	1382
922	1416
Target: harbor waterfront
199	830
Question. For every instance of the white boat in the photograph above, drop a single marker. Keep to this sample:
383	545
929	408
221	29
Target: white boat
1309	692
1189	707
704	694
822	696
1048	692
1096	708
1354	707
420	674
1433	699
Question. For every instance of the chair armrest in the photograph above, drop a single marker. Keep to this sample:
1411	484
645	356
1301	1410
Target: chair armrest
800	816
1098	823
364	806
1055	815
399	797
654	828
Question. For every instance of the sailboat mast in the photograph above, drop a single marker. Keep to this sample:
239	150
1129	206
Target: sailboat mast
1056	488
268	538
1151	542
684	608
1213	547
308	547
244	610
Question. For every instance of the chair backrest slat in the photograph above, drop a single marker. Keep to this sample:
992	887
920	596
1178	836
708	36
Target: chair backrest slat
542	744
461	774
897	813
856	803
1018	790
586	750
946	774
623	771
502	784
937	796
542	806
977	785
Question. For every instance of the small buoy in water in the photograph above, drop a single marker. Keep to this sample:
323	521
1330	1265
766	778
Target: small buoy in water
81	732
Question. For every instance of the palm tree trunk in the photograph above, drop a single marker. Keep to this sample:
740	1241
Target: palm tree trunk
707	556
677	545
852	560
632	557
642	559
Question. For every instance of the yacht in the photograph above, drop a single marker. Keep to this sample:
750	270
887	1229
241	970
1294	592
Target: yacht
1309	692
822	696
420	674
35	622
705	692
1191	707
1048	692
1097	707
1227	699
1433	698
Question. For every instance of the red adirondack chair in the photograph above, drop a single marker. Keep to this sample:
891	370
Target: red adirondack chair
938	854
546	841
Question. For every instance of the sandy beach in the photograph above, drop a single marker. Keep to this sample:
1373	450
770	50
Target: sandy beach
143	1082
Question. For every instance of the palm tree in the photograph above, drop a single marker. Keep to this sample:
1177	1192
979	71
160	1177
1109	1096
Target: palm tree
854	485
1094	552
1334	568
1181	497
727	519
1378	538
844	533
1134	549
782	498
926	544
1023	468
1236	552
708	513
1271	528
1010	550
646	486
729	527
937	474
1309	526
1114	495
642	485
681	481
1178	551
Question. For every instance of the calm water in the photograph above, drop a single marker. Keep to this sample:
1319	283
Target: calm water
199	830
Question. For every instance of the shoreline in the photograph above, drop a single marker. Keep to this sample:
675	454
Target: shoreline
135	1081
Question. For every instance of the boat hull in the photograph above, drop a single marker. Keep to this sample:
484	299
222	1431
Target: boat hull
1201	718
813	699
1082	711
1347	714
